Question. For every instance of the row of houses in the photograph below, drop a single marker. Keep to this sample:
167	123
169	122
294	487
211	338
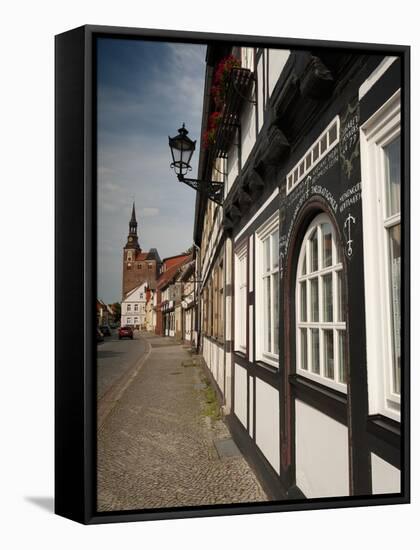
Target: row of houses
106	314
159	296
299	297
168	309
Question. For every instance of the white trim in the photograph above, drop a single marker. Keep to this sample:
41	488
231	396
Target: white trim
381	128
297	174
335	325
269	227
375	75
251	264
241	297
257	214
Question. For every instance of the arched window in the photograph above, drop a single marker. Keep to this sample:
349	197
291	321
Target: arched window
320	312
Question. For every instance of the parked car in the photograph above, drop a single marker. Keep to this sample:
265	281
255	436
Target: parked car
99	335
125	332
106	331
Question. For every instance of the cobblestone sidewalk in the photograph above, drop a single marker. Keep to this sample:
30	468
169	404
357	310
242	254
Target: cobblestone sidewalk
157	447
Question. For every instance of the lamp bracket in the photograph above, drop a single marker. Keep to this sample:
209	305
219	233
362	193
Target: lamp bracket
213	189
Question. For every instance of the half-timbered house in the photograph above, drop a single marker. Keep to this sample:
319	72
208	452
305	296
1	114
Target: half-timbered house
300	266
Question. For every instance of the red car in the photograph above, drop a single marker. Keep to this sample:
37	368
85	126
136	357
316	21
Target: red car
125	332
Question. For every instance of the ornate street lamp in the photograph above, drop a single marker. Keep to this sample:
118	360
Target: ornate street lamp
182	149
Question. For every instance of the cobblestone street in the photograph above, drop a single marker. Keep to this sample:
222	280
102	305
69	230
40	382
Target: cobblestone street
162	443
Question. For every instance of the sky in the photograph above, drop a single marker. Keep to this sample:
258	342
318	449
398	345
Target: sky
146	90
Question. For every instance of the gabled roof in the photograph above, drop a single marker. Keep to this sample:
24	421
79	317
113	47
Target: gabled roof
167	276
152	254
136	289
187	270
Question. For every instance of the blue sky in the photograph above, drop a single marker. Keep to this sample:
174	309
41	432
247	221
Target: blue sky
145	91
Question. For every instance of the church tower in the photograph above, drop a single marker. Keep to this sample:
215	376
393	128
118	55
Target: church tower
132	238
130	254
138	266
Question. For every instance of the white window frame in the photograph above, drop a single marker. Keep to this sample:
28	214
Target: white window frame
376	133
313	155
247	58
241	297
262	234
335	325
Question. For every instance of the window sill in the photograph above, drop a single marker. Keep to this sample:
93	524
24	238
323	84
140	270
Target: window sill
385	428
325	399
267	366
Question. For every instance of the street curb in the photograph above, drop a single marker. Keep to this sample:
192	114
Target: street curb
110	398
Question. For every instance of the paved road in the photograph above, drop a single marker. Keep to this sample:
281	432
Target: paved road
158	446
116	357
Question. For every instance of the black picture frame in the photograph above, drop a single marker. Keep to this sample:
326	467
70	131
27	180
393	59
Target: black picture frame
75	276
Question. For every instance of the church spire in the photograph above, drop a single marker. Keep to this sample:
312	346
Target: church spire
132	239
133	214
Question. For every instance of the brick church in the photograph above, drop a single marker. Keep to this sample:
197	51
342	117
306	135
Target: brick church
138	266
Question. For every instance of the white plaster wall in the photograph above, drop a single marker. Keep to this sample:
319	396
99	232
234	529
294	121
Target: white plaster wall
251	407
276	62
221	367
232	166
251	264
228	324
267	422
241	394
260	99
385	477
251	332
322	463
248	135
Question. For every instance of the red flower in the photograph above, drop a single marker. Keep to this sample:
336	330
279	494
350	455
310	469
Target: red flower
221	75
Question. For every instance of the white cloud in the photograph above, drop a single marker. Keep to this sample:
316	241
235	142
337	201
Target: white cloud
150	212
134	162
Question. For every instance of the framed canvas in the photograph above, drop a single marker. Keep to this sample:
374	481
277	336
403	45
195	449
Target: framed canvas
232	274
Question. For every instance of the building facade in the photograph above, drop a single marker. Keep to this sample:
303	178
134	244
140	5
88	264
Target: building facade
188	305
300	268
133	308
168	296
150	310
138	266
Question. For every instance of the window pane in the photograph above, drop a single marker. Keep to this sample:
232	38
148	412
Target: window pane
308	161
326	244
303	301
315	350
395	270
303	349
340	303
275	248
328	298
275	283
266	255
324	144
315	152
332	133
301	168
303	265
314	300
314	251
341	361
393	176
329	354
267	302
